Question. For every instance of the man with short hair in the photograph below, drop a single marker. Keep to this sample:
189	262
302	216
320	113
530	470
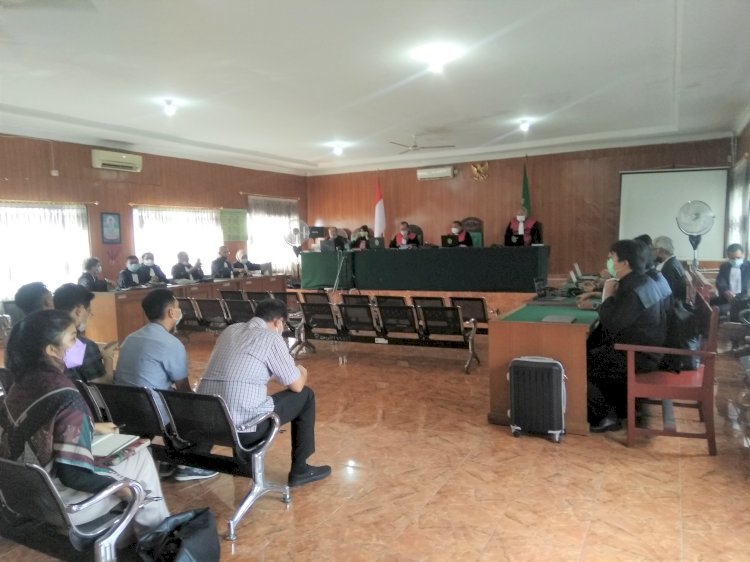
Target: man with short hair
220	267
32	297
128	277
339	242
734	275
404	238
149	271
76	301
154	358
245	358
183	270
89	279
633	310
670	267
464	236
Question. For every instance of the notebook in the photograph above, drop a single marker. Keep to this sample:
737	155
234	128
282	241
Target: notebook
559	318
107	444
448	240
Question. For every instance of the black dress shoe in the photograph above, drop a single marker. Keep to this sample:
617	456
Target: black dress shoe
312	474
609	423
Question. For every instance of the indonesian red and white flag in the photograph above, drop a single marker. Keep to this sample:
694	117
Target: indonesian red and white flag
379	223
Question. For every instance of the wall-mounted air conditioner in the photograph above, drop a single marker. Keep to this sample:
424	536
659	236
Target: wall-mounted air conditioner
439	173
121	161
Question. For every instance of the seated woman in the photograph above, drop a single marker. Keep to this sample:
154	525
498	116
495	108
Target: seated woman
44	402
361	239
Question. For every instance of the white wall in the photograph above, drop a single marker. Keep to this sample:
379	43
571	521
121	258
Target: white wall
649	202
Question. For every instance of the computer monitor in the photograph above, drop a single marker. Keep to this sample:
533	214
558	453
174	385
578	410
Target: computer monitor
317	232
449	240
327	246
377	243
266	268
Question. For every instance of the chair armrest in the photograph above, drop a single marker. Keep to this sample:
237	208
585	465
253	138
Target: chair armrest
118	525
664	350
266	441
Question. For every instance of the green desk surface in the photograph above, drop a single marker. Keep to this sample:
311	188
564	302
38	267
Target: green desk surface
536	313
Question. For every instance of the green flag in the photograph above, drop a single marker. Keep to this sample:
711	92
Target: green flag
525	199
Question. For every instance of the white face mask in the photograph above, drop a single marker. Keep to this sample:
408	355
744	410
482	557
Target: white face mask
244	260
148	263
455	230
98	268
520	218
363	233
179	318
133	267
404	232
737	262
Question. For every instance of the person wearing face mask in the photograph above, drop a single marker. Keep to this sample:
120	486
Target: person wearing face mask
670	267
56	427
84	360
523	230
89	279
183	270
246	357
361	239
149	272
633	310
128	277
339	242
220	267
404	238
464	237
732	280
244	265
153	357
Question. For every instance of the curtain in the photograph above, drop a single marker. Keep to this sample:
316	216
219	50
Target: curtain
739	199
46	243
269	220
165	231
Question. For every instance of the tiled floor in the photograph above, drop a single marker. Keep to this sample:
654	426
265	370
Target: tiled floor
419	474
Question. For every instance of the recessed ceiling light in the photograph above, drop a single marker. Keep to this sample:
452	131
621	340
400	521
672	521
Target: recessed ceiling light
437	55
169	108
337	147
525	125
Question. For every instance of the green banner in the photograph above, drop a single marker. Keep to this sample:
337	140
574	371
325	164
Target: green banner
234	224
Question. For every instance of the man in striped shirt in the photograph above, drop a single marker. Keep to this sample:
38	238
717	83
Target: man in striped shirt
245	358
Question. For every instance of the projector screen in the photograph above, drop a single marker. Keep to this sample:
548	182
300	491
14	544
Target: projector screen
649	202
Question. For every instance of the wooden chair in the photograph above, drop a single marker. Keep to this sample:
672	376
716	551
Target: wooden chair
27	491
695	386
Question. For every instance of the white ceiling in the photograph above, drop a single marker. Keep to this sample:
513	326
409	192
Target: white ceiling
267	83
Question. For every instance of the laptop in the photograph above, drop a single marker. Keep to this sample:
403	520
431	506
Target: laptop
449	240
543	293
327	246
377	243
580	276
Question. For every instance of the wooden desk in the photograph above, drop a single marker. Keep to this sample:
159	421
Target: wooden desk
119	313
523	333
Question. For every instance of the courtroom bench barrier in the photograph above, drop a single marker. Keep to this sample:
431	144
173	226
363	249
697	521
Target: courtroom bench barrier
434	326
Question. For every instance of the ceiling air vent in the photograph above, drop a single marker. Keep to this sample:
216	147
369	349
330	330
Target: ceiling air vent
121	161
440	173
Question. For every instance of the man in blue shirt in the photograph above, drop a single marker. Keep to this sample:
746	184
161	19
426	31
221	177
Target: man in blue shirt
154	358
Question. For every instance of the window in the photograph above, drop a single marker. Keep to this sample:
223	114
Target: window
166	231
737	231
46	243
268	221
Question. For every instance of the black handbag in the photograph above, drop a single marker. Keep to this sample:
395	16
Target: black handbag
189	536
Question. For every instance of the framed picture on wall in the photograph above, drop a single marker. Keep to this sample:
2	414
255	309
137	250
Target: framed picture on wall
111	228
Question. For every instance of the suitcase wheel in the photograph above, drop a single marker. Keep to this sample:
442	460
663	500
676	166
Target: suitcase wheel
556	438
516	433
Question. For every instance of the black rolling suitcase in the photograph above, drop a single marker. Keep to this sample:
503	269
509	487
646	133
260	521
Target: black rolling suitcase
537	396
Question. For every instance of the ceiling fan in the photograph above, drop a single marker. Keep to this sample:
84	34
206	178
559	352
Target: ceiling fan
414	146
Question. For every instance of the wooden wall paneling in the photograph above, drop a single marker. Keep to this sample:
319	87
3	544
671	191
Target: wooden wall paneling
575	195
25	166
